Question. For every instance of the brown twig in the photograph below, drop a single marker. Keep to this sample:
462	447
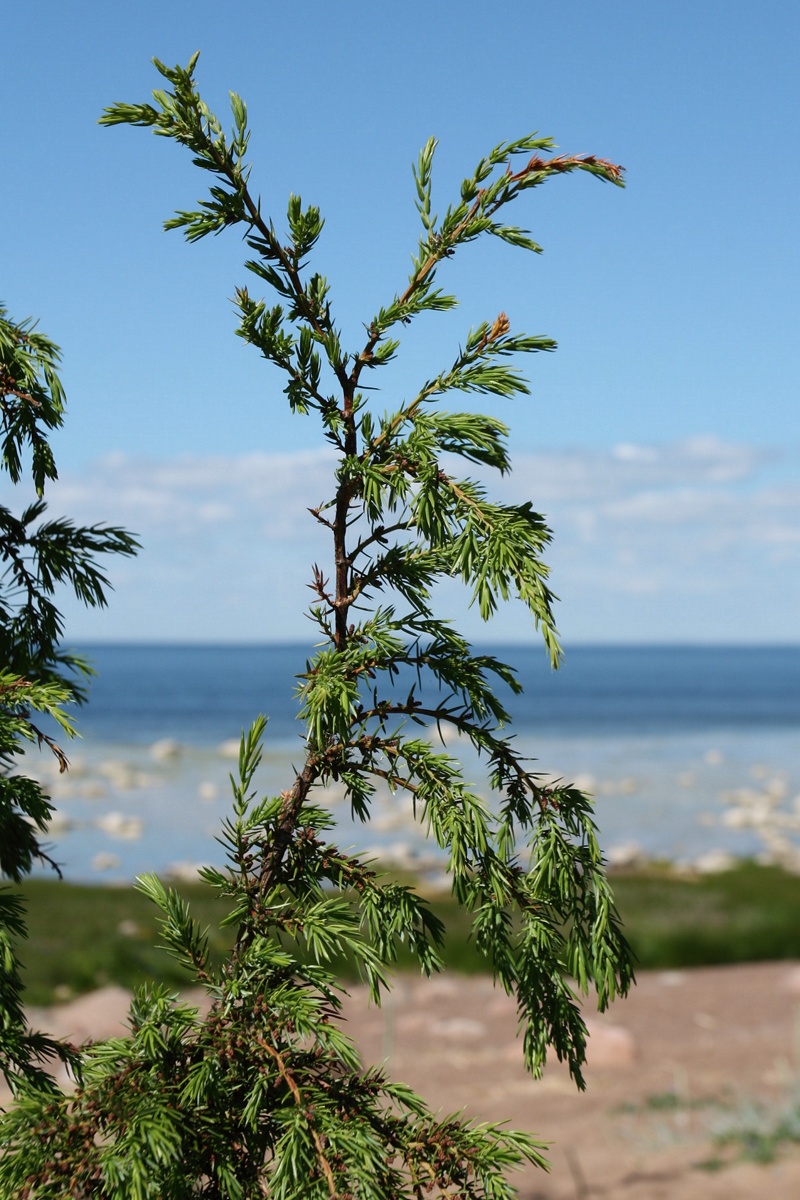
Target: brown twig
298	1099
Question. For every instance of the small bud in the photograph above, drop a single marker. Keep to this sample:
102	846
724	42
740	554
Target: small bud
501	327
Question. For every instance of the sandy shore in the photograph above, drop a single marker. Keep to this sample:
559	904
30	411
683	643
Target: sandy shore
687	1054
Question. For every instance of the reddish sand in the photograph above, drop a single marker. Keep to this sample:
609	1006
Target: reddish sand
686	1053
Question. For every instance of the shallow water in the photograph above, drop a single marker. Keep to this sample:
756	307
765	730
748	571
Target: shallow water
660	736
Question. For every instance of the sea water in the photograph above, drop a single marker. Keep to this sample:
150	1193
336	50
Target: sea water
663	737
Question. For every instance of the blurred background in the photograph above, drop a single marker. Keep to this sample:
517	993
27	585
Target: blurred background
661	440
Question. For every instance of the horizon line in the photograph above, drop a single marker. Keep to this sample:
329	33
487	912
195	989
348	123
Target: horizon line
291	644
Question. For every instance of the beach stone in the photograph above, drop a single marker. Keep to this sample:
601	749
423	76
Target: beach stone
184	872
737	818
458	1028
437	988
609	1045
104	860
411	1022
714	863
116	824
618	787
229	749
59	824
437	882
119	774
97	1015
93	791
165	750
626	854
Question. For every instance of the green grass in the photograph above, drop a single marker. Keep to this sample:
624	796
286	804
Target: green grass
749	914
758	1133
669	1102
82	937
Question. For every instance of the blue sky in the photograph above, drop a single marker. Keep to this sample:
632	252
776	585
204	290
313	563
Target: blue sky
662	440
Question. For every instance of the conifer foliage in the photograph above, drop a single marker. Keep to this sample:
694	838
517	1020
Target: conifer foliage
266	1095
37	555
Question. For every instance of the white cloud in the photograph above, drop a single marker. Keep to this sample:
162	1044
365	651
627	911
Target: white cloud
683	540
693	538
185	496
704	491
596	475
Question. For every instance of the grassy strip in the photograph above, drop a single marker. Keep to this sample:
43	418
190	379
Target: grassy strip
82	937
748	914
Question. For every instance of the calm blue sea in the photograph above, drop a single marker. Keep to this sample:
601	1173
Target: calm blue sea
662	736
199	694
